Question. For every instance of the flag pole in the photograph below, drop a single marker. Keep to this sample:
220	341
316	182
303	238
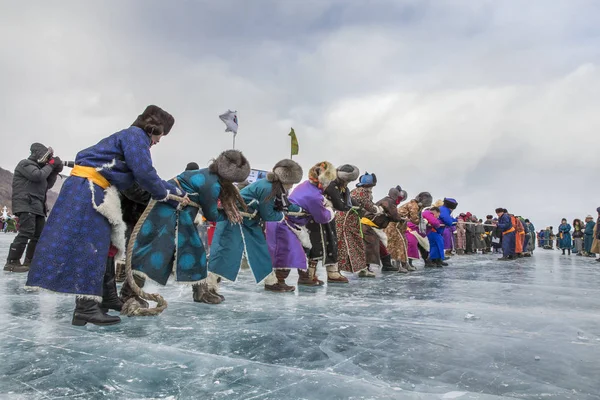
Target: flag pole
234	141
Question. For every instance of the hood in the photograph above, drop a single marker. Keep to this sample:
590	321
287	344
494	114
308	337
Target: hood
424	199
40	153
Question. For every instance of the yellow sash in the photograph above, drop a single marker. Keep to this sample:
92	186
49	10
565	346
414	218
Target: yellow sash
91	174
368	222
509	231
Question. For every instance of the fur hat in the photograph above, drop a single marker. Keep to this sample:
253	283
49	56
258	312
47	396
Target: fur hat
589	217
192	166
323	173
154	121
288	172
424	199
231	166
348	173
367	180
450	203
438	203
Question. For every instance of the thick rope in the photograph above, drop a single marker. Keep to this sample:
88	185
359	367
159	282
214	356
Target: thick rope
132	307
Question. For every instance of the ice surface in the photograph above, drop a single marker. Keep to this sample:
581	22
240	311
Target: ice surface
394	337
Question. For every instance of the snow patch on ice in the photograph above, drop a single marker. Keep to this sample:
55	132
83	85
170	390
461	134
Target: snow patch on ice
453	395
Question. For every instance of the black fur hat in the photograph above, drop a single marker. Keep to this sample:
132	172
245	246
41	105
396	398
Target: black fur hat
348	173
288	172
231	166
154	121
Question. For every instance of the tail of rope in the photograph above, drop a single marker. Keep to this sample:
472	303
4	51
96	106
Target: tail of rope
132	307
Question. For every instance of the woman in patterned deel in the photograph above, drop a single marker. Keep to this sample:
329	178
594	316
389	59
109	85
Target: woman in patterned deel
86	224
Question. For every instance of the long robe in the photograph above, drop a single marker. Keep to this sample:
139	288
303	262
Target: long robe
397	241
564	237
72	252
589	236
232	241
286	248
351	248
168	239
412	213
375	237
461	235
478	239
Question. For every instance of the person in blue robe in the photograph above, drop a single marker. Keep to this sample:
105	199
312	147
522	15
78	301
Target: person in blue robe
508	234
168	240
446	218
565	243
86	224
266	201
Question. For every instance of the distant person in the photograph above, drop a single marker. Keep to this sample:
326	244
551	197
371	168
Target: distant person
564	237
589	235
32	179
508	234
578	236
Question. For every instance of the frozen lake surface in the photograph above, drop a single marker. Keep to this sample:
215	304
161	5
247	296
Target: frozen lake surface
479	329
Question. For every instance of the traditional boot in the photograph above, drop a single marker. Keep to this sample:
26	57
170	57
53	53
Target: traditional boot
387	265
429	263
120	275
202	294
276	281
110	297
563	252
460	252
402	267
309	277
128	293
13	262
569	251
440	263
410	265
366	273
334	275
88	310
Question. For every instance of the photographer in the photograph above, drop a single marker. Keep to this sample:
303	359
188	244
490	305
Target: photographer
33	177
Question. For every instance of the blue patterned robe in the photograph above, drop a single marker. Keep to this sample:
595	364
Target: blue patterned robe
232	240
168	238
72	251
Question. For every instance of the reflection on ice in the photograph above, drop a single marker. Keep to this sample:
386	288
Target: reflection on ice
478	329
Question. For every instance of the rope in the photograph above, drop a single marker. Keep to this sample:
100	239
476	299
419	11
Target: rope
133	307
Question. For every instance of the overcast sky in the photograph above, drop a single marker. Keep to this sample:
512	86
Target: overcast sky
494	103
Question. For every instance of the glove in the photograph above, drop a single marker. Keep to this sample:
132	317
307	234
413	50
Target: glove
56	163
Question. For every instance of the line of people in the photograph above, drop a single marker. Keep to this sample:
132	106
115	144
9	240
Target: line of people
581	238
114	195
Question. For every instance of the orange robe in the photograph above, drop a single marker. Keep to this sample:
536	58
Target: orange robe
520	234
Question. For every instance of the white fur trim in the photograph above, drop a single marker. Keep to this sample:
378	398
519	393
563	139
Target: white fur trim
302	234
423	241
382	236
107	165
111	210
271	279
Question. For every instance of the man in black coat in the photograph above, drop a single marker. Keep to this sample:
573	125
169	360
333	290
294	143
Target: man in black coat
33	177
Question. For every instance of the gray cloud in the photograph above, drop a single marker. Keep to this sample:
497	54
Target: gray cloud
493	103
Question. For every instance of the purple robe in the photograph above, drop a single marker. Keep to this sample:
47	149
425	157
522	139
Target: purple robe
449	237
284	245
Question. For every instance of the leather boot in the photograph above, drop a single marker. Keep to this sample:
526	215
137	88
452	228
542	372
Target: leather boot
429	263
440	263
110	296
13	261
334	275
386	264
120	275
128	293
87	310
280	285
410	265
402	267
309	277
366	273
202	294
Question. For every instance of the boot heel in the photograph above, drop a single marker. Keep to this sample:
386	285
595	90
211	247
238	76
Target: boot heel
78	322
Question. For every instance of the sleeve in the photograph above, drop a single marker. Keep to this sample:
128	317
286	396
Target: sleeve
32	172
362	201
433	221
137	157
320	213
136	194
447	219
334	195
52	179
266	208
393	213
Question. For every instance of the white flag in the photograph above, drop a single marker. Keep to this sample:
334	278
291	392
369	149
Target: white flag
231	121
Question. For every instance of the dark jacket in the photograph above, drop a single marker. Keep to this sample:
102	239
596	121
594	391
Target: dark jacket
31	181
339	196
390	214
